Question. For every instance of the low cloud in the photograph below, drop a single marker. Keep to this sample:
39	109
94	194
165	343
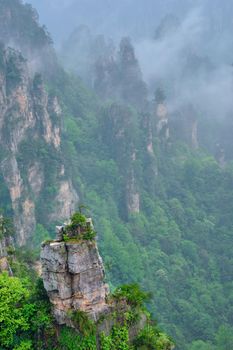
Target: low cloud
188	66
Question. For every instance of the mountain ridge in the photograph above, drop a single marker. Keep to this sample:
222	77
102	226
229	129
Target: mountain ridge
157	197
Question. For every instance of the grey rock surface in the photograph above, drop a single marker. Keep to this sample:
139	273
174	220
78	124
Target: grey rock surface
73	275
27	114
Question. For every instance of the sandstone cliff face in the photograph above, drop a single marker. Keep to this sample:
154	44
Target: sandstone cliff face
65	201
27	114
73	276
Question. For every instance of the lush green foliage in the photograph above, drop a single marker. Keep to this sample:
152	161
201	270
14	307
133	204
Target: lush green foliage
152	339
179	246
89	235
24	314
78	219
40	235
85	326
6	226
132	294
118	340
79	228
14	313
26	322
71	340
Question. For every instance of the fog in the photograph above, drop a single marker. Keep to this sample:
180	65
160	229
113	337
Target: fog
132	17
117	18
192	61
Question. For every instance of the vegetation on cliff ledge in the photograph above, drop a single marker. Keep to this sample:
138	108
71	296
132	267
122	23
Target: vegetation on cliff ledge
26	322
79	228
129	323
179	238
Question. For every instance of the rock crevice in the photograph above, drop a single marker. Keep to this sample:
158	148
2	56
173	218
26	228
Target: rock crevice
73	275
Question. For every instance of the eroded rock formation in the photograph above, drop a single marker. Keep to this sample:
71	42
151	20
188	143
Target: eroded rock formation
73	275
30	130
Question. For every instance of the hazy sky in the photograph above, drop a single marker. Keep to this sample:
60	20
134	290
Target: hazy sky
136	18
117	18
206	28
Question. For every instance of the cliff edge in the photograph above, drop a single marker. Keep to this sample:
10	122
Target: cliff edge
73	275
74	278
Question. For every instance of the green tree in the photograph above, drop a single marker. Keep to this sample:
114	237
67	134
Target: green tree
6	226
14	317
224	338
40	235
201	345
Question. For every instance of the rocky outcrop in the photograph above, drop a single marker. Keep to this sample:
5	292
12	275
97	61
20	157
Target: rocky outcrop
114	73
73	276
22	204
30	123
36	178
65	201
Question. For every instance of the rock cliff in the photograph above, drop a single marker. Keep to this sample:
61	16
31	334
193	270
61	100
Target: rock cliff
30	126
73	276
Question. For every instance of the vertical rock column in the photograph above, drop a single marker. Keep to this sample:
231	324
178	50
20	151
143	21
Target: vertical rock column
73	276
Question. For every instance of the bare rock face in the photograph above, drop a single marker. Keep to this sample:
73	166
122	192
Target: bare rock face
73	275
65	201
30	121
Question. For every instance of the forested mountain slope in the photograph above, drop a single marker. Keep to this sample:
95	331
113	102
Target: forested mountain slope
162	204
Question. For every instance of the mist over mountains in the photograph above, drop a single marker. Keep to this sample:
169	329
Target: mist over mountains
134	18
125	17
131	114
183	47
203	30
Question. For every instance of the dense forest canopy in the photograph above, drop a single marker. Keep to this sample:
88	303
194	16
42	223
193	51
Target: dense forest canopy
135	122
